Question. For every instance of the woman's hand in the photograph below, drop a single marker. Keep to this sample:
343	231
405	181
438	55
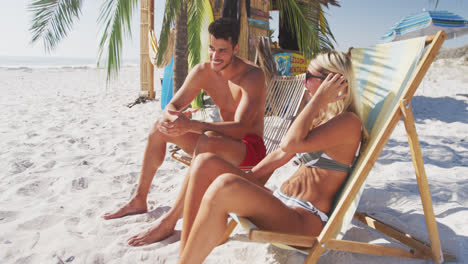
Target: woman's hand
333	88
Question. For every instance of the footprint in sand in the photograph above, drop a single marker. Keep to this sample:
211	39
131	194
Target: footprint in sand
7	216
18	166
39	223
31	134
30	188
129	178
72	227
50	164
80	184
27	259
48	154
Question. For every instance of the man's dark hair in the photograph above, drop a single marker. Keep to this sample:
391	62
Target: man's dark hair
225	28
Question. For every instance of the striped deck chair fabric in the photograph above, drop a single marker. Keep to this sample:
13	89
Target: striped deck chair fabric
382	74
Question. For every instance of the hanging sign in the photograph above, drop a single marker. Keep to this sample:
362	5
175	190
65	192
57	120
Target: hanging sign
290	63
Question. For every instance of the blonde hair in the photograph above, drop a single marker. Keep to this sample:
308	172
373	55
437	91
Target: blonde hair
338	62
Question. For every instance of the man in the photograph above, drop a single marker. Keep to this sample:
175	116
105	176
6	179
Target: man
238	89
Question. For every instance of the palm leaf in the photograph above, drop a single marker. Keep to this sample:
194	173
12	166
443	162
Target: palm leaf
307	19
52	20
116	17
170	11
194	23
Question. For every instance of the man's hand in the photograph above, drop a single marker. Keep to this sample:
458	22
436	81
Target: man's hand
177	123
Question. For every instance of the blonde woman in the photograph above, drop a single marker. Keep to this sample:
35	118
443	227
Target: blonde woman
325	139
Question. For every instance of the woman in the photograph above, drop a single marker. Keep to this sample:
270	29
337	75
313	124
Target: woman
325	138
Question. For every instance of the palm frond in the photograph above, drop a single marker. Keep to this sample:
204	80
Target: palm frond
194	23
316	16
52	20
116	17
331	2
170	11
307	19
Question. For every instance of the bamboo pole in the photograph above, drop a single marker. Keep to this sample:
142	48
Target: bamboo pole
146	67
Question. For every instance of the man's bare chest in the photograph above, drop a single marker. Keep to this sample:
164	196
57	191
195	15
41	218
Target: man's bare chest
225	96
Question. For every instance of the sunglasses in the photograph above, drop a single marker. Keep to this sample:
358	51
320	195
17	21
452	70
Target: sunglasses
310	75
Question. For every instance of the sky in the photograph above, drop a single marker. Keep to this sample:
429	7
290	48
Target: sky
356	23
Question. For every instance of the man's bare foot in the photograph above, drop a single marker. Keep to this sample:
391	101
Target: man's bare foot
135	206
161	230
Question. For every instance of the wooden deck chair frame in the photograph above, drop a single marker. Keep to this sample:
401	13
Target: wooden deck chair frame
316	246
285	99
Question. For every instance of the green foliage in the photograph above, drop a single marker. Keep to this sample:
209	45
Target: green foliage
307	20
116	16
52	20
170	11
195	12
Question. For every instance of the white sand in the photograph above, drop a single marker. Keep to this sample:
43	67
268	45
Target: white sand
70	150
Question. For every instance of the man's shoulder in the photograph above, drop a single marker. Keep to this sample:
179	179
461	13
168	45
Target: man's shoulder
251	72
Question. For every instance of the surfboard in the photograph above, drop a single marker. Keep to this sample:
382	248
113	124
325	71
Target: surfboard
166	90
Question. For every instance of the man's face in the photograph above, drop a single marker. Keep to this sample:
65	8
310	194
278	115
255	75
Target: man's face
221	53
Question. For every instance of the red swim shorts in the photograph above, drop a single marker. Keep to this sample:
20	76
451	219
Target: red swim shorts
255	150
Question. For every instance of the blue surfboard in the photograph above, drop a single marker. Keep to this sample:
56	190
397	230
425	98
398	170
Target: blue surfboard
166	90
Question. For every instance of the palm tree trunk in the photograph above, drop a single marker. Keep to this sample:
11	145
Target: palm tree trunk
180	68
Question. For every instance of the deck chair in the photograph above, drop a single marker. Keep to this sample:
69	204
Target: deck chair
387	77
285	98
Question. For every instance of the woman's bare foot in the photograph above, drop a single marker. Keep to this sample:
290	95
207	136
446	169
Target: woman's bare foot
161	230
135	206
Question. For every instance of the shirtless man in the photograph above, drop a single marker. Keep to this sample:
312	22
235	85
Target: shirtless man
238	89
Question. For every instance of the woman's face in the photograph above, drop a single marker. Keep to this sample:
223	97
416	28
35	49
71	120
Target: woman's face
313	78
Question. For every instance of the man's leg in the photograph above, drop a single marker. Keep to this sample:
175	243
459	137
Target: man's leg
153	158
164	227
231	150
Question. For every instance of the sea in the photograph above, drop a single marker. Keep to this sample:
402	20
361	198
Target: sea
25	62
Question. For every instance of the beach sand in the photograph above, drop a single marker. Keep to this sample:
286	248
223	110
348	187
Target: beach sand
71	150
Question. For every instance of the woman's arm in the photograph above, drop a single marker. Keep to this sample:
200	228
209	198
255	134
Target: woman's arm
300	139
263	170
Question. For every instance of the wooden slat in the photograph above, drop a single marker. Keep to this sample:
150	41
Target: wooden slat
421	177
403	237
426	62
393	232
181	158
372	249
230	228
288	239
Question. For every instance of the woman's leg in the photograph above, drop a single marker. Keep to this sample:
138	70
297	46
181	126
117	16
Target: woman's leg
205	169
231	193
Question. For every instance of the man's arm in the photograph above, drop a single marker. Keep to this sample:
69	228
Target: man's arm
189	90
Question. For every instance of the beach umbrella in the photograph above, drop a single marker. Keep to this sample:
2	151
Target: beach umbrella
427	23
